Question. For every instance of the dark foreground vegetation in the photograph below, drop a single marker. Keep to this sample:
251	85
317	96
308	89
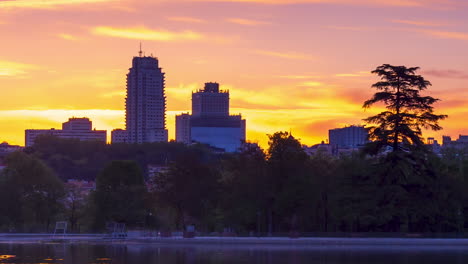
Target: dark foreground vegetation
282	190
394	184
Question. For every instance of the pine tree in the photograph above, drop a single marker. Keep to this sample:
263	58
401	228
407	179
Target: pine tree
408	112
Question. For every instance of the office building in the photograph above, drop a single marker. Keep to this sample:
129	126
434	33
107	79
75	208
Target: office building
76	128
119	136
210	101
348	137
146	101
210	122
145	104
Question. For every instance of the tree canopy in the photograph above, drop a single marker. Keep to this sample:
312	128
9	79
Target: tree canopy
120	193
408	112
30	193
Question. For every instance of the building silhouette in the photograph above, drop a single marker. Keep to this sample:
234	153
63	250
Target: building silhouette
460	143
119	136
183	129
76	128
348	137
145	104
210	101
210	122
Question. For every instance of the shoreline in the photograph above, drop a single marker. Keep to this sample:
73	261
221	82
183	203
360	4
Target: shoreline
234	241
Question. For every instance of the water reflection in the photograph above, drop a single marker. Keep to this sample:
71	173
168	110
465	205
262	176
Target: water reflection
202	254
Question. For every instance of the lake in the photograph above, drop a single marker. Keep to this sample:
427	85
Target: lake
86	253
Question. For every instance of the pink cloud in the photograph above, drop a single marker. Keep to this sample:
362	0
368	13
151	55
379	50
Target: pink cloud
450	74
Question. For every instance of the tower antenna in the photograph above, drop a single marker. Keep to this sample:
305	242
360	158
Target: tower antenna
140	52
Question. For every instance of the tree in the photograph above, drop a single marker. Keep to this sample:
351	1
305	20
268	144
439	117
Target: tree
400	126
243	180
120	194
288	184
190	188
75	202
30	193
323	184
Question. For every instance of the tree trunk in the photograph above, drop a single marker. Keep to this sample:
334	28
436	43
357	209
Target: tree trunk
270	222
325	205
397	120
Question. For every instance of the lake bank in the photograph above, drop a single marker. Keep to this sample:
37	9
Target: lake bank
280	241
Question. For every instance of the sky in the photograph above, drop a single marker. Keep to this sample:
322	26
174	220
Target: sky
290	65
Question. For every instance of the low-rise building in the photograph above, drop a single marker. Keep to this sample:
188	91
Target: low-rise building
351	137
76	128
183	128
461	142
321	148
6	148
83	187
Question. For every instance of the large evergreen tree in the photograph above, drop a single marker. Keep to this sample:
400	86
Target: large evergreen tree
407	111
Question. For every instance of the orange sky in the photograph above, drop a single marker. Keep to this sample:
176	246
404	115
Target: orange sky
300	65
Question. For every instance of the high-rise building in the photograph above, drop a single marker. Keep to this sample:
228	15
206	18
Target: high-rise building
348	137
210	122
145	102
210	101
77	128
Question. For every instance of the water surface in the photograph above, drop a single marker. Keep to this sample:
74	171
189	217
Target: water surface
211	254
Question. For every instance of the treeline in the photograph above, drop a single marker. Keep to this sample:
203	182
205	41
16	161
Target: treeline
83	160
256	191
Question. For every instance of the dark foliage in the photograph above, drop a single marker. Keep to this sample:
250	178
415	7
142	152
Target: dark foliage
408	112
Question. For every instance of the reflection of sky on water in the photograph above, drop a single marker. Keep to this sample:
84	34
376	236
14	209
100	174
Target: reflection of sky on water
236	254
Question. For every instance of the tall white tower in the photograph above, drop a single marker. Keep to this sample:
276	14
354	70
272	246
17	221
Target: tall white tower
145	102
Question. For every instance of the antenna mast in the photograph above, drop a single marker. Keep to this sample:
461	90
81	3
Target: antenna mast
140	52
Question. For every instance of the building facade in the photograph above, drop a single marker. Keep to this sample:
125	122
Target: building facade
119	136
460	143
210	101
210	122
77	128
226	132
348	137
183	130
145	102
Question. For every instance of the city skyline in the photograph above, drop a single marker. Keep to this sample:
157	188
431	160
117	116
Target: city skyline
80	55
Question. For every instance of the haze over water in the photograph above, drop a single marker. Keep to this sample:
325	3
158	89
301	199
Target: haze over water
146	254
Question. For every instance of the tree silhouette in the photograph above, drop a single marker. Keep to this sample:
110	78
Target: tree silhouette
400	126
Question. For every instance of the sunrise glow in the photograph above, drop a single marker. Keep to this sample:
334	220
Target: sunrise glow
290	65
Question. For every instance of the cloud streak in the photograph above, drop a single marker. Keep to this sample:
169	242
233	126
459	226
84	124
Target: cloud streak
144	33
187	19
41	4
447	34
418	23
299	77
246	22
67	37
450	74
10	68
284	55
395	3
